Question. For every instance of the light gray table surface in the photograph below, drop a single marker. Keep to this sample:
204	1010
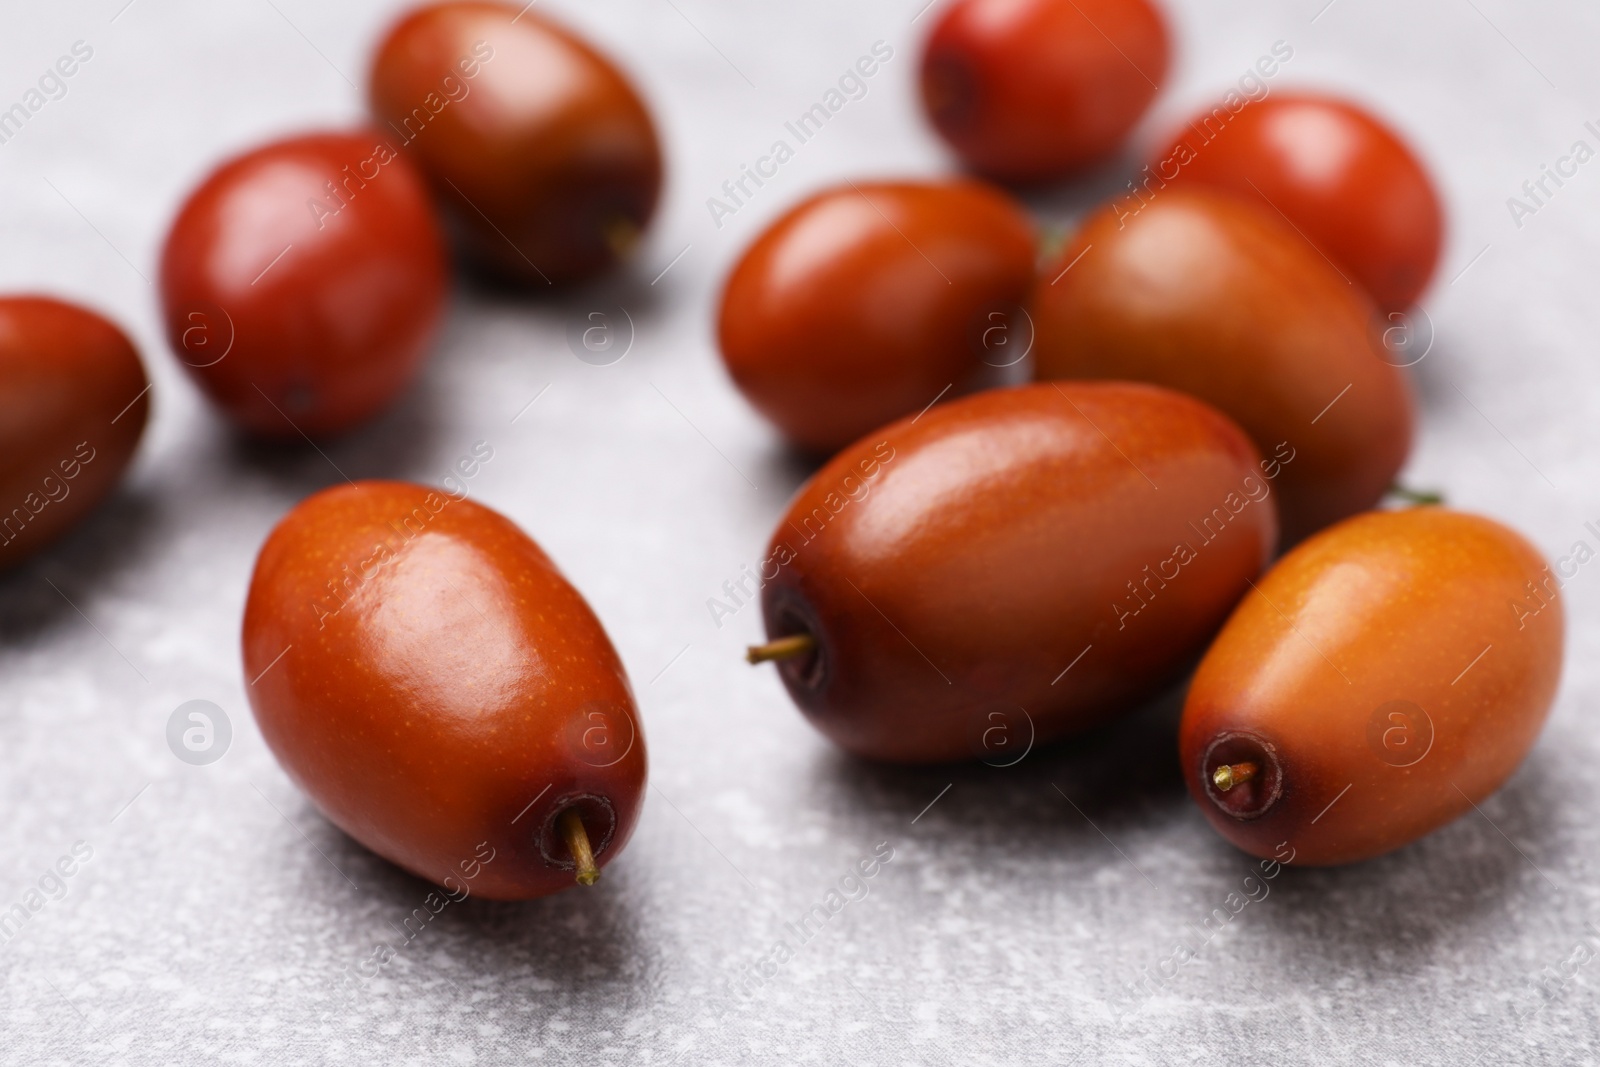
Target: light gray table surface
220	915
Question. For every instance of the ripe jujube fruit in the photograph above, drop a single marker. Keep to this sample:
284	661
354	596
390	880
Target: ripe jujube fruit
1205	293
540	147
1032	90
1343	178
1385	676
425	674
870	300
73	405
1013	566
303	282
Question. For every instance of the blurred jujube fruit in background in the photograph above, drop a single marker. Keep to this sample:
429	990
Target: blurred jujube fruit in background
540	147
1341	177
1204	292
869	300
74	401
1033	90
303	282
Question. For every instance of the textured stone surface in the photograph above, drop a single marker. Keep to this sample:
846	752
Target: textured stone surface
221	920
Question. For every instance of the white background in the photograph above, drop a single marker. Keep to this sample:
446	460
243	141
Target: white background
220	913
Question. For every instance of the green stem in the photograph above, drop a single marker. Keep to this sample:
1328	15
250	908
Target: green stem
1417	497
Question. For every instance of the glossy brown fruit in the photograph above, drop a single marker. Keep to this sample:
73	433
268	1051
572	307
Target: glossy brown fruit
1388	674
1014	566
1345	180
1031	90
868	301
443	694
542	150
73	403
1203	293
303	282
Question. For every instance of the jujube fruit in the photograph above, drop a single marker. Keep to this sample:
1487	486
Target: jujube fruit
869	300
1205	293
1032	90
1342	177
541	149
425	674
74	400
303	282
1025	560
1385	676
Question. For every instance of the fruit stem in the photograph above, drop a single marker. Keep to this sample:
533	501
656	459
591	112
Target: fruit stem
621	235
577	838
1229	775
1052	239
1416	496
792	647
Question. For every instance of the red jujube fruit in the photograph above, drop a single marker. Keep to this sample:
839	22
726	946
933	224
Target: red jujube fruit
425	674
1012	567
74	400
541	149
1383	678
871	300
1344	179
1033	90
1203	292
302	283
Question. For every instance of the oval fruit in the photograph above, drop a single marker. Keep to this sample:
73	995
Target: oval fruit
543	152
1011	567
303	282
1202	292
425	674
868	301
74	400
1342	177
1386	675
1031	90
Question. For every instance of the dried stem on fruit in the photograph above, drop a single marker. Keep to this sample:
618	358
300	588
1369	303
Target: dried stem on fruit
577	838
792	647
1229	775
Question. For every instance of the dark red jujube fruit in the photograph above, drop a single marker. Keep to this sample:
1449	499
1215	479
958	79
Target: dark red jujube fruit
539	146
1012	567
74	400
